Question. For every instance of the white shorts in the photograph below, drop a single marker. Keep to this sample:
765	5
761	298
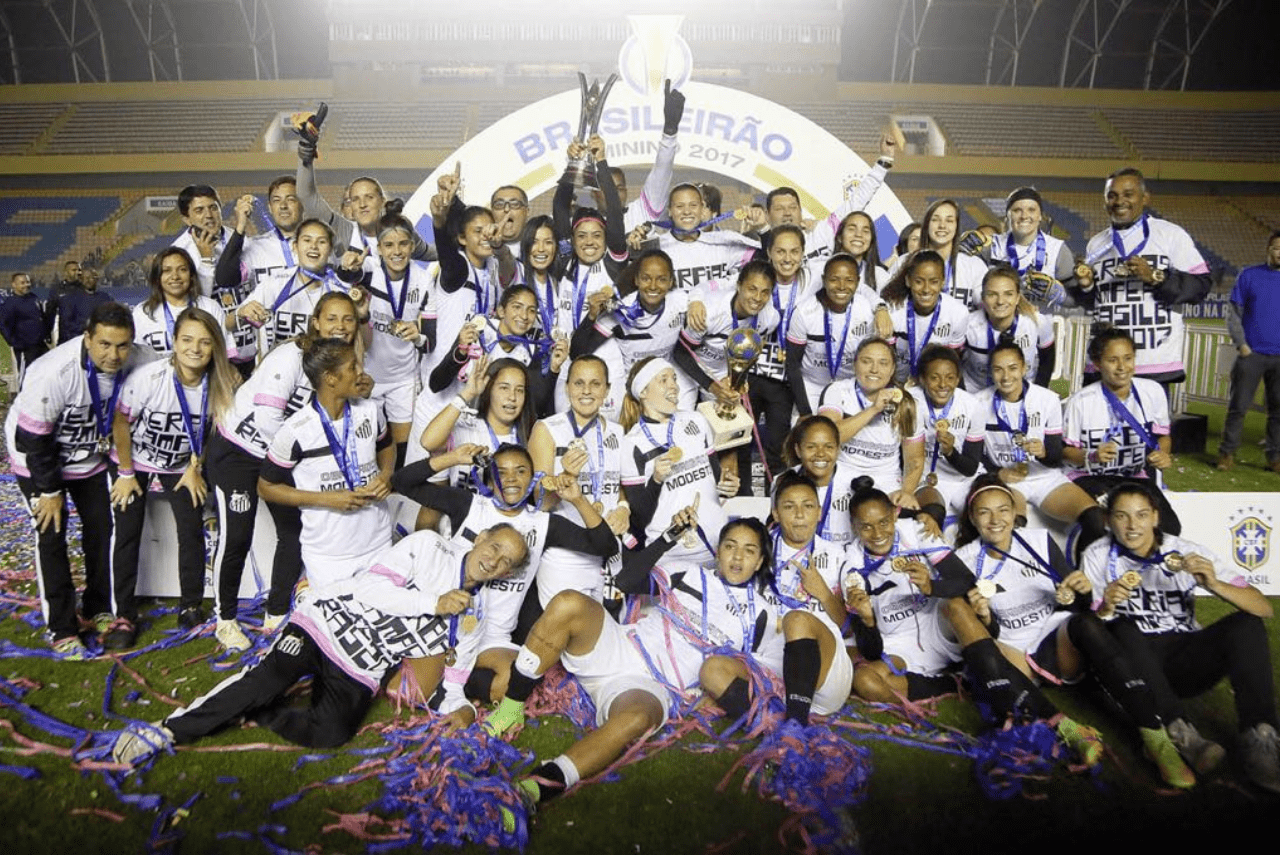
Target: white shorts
1037	486
834	691
396	399
612	668
320	570
566	570
930	650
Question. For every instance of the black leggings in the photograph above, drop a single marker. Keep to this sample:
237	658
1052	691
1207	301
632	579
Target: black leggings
1117	671
1185	664
338	703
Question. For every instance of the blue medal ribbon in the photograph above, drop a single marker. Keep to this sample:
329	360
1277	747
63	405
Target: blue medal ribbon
671	437
285	252
397	311
102	416
1011	250
194	428
629	315
484	288
913	355
344	451
747	622
168	322
1118	244
1118	408
597	471
676	230
1042	565
802	557
934	415
287	293
835	358
547	305
997	409
785	315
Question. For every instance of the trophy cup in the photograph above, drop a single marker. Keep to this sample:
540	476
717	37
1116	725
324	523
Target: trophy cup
730	424
583	169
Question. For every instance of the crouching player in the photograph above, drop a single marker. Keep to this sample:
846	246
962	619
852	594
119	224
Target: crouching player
426	597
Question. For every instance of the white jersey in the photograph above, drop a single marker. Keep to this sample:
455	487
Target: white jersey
452	310
261	257
788	592
908	621
506	595
1090	420
691	476
1126	303
369	623
786	300
713	255
471	429
640	334
964	280
1030	333
965	421
302	450
709	346
155	328
1037	415
290	302
946	325
819	241
1044	253
874	450
160	441
1165	600
273	393
1025	604
390	359
55	399
702	612
830	341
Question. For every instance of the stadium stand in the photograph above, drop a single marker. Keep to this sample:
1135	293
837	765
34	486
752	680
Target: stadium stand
22	124
1233	136
156	127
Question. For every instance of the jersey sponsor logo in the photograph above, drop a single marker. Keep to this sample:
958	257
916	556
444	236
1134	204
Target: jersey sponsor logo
239	502
1031	618
1250	541
689	476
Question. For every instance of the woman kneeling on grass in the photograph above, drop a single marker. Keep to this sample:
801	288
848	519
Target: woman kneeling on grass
913	623
1037	609
638	674
1144	582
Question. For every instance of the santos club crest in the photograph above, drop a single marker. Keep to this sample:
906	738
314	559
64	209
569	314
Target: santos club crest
1250	538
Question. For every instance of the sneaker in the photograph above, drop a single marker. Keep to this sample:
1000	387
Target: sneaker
139	741
270	622
120	635
508	715
1161	751
190	618
1226	462
1083	740
70	649
1201	754
1261	747
231	636
102	622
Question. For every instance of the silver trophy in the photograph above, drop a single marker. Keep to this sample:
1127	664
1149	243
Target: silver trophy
583	169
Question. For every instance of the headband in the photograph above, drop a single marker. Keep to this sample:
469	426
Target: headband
645	375
590	218
1001	487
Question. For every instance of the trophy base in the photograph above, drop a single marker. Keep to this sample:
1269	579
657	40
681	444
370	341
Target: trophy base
726	433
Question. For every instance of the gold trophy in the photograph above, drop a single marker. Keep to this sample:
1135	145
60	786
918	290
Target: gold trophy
730	423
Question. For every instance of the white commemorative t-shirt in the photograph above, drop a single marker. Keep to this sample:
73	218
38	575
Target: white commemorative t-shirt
302	449
291	302
714	255
964	279
160	440
1025	603
1165	600
1126	303
830	341
1090	420
875	449
1029	332
273	393
946	325
155	329
722	320
786	299
691	476
1043	417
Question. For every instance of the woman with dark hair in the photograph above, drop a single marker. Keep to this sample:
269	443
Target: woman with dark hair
1023	444
1118	430
637	674
953	423
1007	316
812	449
826	331
340	440
273	393
174	287
913	624
1144	582
922	314
1037	609
908	241
962	273
163	420
856	236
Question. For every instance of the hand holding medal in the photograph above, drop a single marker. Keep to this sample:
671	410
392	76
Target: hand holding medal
1119	591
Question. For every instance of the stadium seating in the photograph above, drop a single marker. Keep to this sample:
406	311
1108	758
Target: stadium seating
158	127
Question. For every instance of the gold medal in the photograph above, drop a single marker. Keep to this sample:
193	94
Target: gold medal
986	588
1174	561
899	564
356	295
577	444
599	507
675	455
739	214
1158	276
450	657
469	623
931	480
942	424
1065	596
1131	579
895	395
